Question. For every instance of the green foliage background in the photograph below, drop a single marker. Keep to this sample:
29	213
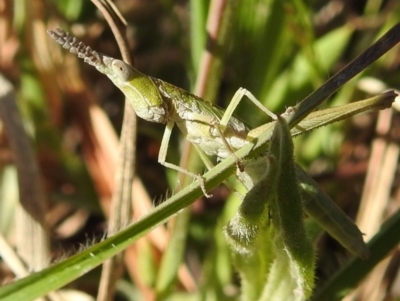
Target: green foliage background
279	50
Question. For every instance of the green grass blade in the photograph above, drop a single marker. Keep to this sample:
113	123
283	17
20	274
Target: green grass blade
356	269
56	276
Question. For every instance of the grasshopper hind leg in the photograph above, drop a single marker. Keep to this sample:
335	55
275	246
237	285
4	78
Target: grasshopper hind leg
236	99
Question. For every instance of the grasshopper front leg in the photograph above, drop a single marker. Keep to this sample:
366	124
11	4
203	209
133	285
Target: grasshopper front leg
163	154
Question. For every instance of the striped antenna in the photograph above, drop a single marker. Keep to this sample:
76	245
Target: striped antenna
84	52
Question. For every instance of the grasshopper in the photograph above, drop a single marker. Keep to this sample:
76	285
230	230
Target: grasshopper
215	131
157	101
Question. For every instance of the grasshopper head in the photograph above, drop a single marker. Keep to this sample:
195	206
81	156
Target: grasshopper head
138	88
123	71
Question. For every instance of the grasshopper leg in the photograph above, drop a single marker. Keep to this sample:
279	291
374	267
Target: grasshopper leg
163	154
237	97
239	163
215	124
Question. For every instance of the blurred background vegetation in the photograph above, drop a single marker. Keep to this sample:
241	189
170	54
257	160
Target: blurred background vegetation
279	50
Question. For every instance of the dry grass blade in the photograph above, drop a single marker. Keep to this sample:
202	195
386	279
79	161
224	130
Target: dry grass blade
32	234
121	207
375	201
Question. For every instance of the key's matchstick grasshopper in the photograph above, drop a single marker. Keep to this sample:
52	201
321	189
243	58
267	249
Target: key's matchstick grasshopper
218	133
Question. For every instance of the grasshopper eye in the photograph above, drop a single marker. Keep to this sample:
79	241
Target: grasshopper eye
122	70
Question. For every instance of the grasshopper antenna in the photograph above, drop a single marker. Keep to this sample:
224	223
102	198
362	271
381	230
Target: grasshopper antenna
75	46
